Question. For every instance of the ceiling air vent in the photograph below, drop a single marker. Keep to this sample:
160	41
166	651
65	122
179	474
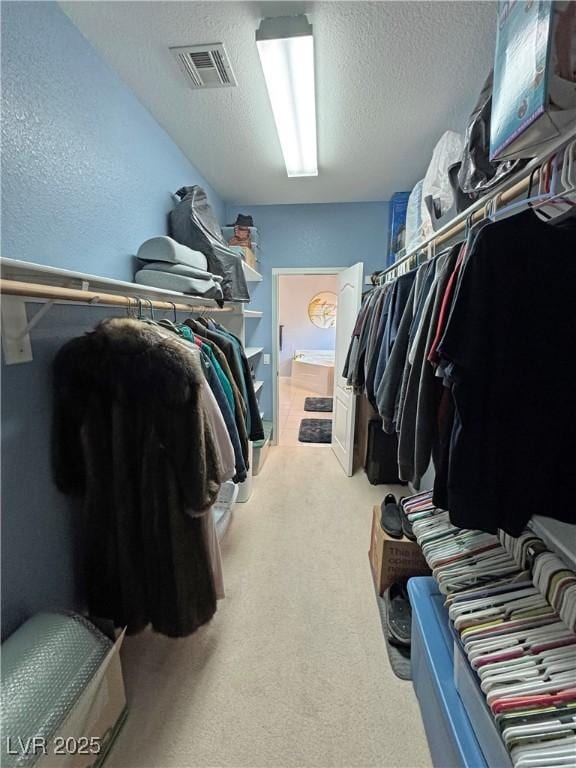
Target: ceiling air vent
205	66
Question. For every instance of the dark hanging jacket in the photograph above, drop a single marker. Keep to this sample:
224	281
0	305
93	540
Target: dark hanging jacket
227	415
240	367
240	408
131	439
256	426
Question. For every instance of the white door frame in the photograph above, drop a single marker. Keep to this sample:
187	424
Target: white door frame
276	272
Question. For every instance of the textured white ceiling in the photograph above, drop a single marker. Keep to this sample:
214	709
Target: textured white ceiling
391	77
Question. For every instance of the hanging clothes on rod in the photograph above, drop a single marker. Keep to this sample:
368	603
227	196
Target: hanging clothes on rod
147	426
514	416
233	350
232	405
214	382
463	375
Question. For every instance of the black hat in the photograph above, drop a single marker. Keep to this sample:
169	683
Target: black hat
244	221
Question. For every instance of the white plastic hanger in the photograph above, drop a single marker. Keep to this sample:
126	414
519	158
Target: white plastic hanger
540	671
524	639
492	600
511	610
526	660
521	581
562	681
531	733
521	637
543	754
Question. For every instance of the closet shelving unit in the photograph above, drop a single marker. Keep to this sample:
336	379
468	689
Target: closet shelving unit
454	730
254	354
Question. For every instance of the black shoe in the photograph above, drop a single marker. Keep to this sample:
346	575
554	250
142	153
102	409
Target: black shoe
399	614
406	524
390	519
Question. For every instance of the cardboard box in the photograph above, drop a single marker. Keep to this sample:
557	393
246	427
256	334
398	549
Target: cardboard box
534	96
392	559
85	737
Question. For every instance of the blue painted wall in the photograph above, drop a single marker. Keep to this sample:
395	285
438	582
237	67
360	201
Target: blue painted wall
312	235
86	177
41	560
87	172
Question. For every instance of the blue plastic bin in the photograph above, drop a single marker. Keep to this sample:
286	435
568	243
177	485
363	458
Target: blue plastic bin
451	737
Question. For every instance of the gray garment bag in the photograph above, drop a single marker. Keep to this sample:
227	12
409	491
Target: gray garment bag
193	223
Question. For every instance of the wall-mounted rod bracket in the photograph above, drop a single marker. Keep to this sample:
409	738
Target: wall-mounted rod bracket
44	309
16	328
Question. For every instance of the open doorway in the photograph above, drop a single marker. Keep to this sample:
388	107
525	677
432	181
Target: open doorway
305	342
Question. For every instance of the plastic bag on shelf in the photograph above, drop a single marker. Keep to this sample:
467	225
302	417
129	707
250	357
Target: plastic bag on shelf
414	225
477	174
447	152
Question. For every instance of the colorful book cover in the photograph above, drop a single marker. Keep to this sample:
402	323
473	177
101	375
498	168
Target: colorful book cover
521	69
397	224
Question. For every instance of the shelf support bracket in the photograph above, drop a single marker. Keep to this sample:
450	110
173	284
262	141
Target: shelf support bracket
16	328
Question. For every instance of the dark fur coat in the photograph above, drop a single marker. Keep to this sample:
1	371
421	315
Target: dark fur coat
130	437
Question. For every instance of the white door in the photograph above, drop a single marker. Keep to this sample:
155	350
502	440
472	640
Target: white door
349	300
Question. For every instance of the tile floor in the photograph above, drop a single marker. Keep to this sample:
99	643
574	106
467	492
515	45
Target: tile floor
291	412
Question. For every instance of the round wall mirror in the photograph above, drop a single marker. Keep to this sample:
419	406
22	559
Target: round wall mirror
322	309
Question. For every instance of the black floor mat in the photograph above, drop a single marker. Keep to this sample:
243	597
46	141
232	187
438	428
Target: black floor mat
315	431
319	404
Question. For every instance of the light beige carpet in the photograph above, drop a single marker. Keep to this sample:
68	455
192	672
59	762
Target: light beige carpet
292	671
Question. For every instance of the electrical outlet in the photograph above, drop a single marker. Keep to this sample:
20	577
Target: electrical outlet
266	359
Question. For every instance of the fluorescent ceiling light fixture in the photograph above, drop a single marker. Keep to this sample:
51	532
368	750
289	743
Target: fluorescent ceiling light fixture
286	49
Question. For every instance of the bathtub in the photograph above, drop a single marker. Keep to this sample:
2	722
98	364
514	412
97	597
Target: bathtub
313	369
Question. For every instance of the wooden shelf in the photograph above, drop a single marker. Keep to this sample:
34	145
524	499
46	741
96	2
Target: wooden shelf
253	313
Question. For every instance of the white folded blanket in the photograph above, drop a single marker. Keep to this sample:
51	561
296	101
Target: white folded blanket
209	289
166	249
182	269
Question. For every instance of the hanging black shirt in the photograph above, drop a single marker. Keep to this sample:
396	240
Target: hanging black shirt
511	339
